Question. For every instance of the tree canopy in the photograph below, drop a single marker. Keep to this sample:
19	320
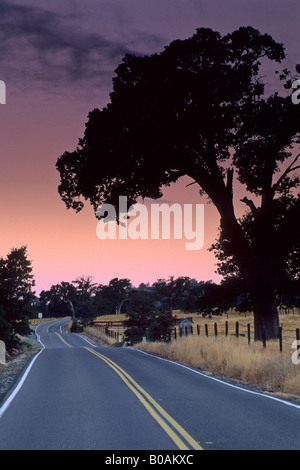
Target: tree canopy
200	108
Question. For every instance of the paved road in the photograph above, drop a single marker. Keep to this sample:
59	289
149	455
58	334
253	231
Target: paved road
78	396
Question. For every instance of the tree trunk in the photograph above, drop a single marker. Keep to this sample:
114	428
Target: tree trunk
266	318
254	262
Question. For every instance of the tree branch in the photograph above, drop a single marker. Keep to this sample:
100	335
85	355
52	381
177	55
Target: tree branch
286	172
250	204
229	180
190	184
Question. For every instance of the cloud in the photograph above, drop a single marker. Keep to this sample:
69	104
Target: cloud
43	48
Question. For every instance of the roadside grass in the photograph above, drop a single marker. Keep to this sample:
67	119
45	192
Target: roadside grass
36	321
97	335
227	356
233	358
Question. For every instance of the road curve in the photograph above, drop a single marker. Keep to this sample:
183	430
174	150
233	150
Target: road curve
77	396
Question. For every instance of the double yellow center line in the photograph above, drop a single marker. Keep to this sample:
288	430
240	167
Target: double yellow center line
63	340
181	438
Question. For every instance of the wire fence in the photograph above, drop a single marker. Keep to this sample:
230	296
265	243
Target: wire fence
239	329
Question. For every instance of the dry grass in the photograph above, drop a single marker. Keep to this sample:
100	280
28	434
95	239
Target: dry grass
229	356
234	359
98	335
288	322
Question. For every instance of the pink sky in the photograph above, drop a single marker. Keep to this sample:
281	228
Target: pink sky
50	90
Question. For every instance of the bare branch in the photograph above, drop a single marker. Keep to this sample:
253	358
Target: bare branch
190	184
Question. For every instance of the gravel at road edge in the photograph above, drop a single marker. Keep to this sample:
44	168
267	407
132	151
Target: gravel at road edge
13	368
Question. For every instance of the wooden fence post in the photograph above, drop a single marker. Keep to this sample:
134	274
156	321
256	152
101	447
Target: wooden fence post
237	329
298	338
280	338
198	330
263	337
216	329
226	328
248	328
206	329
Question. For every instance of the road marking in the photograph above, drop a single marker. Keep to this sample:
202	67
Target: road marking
150	404
18	387
64	341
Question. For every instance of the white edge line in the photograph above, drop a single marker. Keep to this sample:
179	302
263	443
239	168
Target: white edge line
207	376
8	401
83	337
16	390
18	387
218	380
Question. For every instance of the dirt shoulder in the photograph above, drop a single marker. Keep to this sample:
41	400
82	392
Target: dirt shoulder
16	364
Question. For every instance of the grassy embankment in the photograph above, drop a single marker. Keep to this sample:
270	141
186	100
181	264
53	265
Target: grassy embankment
231	357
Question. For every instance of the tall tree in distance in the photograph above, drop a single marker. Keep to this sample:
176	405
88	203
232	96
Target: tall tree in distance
16	296
59	300
200	109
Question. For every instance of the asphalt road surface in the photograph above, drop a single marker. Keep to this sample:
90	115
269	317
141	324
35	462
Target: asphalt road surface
77	396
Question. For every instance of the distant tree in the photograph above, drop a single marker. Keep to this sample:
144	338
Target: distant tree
144	286
119	291
160	327
16	296
58	301
199	109
85	287
84	302
189	300
139	316
112	298
103	301
76	299
171	292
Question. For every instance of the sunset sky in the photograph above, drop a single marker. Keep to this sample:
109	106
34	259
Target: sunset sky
57	61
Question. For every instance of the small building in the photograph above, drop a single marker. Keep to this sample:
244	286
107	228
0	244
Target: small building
185	327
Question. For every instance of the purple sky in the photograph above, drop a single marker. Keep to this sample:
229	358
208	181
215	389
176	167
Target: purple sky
57	60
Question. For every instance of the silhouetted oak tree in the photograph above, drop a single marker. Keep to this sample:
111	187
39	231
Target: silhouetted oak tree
200	109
